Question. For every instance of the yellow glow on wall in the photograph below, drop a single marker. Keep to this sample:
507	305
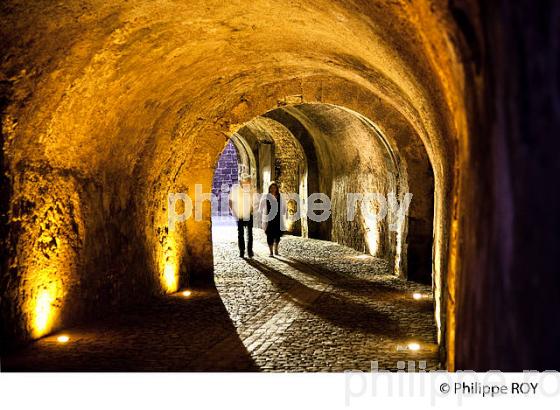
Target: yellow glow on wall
453	270
45	309
372	239
398	268
170	279
170	272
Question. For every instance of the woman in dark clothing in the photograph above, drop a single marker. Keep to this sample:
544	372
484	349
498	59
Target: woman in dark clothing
273	224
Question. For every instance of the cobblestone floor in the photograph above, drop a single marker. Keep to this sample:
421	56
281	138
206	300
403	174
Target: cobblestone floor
318	307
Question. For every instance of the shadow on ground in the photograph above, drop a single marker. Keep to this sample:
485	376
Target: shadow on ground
335	308
168	334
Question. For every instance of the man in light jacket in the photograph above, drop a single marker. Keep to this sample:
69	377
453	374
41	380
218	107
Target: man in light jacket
242	203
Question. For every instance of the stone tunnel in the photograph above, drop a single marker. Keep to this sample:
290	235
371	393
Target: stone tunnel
108	107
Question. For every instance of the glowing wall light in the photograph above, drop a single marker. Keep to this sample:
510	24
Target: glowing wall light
417	296
170	274
398	252
44	306
49	269
43	312
170	279
372	239
413	346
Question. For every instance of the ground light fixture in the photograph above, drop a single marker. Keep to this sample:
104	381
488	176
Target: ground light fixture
63	339
186	293
363	256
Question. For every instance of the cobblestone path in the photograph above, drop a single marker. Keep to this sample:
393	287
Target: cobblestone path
319	306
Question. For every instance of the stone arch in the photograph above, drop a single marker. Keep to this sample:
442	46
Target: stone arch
353	95
412	171
247	161
286	161
167	116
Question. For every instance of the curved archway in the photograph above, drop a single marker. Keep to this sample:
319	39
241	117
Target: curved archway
166	108
248	163
393	124
324	131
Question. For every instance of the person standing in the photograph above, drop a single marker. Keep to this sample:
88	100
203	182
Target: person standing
273	210
241	203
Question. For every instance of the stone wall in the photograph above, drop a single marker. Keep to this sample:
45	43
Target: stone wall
508	285
63	227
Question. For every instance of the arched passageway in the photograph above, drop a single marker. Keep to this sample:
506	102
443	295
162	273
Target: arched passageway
318	293
314	149
112	110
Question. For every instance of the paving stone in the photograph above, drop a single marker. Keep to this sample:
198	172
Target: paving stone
319	306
